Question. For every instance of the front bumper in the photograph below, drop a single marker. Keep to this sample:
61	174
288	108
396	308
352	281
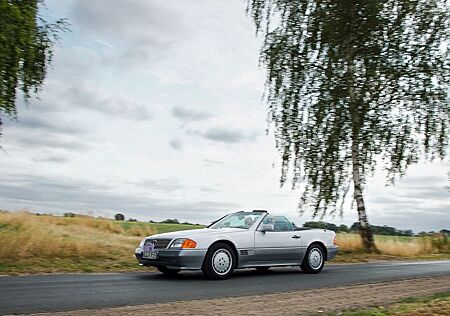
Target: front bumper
332	252
184	259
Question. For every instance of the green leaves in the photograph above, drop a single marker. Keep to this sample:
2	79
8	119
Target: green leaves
26	42
371	72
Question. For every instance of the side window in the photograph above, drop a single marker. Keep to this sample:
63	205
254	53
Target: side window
270	219
282	224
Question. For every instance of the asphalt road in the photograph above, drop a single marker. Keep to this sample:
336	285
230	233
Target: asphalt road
48	293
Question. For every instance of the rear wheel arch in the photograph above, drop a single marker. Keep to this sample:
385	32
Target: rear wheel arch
314	259
322	245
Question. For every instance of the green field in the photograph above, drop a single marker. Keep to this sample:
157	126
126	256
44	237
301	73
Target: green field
158	228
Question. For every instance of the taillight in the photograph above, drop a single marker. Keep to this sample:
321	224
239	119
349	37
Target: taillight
189	243
334	240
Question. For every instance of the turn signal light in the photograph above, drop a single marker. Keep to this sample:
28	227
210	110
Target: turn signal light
189	243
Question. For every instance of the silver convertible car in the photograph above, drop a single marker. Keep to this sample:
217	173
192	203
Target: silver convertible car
254	239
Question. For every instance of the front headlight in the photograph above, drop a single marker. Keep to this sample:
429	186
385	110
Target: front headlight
142	243
177	243
183	243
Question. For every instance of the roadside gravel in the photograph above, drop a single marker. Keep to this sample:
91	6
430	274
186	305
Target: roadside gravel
290	303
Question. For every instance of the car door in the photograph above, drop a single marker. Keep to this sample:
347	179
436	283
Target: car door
281	246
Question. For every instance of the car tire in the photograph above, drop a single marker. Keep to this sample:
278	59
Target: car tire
167	271
314	259
219	262
262	269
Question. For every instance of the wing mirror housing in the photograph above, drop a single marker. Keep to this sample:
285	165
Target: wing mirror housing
266	228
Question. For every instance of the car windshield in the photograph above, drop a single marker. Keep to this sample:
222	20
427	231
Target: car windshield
242	220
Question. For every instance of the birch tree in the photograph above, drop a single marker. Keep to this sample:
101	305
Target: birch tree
350	85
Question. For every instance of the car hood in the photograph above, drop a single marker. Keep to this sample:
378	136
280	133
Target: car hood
196	232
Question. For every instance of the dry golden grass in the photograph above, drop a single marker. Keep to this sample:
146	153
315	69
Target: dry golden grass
414	247
348	242
27	239
24	235
397	245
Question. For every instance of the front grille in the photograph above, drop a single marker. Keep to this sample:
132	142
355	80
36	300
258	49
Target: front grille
161	243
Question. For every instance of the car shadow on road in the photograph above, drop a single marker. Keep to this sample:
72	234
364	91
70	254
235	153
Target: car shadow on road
238	274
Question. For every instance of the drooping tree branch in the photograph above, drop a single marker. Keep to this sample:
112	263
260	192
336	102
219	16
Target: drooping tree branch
26	50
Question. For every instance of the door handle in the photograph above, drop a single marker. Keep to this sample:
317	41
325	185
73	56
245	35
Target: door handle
296	237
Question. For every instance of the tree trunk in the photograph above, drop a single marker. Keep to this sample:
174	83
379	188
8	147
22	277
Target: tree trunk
364	228
357	122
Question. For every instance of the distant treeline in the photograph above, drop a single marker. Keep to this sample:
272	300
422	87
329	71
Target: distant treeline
121	217
377	230
173	221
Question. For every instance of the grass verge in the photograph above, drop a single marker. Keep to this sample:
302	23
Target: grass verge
437	304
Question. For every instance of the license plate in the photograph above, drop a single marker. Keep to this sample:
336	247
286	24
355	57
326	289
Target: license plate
150	255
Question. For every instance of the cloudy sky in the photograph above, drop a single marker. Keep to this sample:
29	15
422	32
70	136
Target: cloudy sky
153	108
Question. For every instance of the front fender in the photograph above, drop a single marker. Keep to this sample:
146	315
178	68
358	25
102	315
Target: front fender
240	240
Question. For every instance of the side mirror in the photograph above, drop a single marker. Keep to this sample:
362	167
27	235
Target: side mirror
266	228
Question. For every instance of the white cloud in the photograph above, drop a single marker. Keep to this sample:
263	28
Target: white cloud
185	114
135	31
176	144
226	135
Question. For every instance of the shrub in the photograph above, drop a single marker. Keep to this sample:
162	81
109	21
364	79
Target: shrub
119	217
170	221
